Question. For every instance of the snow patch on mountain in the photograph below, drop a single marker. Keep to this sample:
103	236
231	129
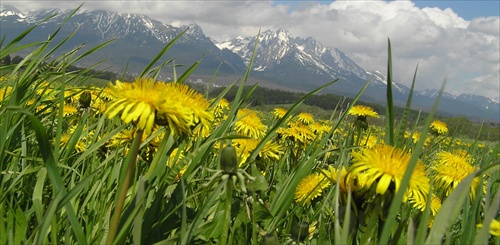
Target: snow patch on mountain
379	79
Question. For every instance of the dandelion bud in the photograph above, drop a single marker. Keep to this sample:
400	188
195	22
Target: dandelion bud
300	231
85	99
270	239
229	160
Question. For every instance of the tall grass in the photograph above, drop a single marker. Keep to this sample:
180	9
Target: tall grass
61	171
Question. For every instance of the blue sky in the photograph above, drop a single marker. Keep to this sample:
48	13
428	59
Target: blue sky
466	9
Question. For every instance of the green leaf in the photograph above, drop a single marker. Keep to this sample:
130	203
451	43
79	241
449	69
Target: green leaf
38	194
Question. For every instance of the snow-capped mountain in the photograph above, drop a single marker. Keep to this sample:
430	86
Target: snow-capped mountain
137	38
275	47
9	11
295	62
483	102
433	93
281	59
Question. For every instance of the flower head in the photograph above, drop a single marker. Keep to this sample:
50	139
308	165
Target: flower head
332	174
244	147
451	168
183	108
310	187
69	110
494	227
421	204
279	112
220	109
297	132
146	102
305	118
137	102
363	111
248	123
439	127
4	92
385	166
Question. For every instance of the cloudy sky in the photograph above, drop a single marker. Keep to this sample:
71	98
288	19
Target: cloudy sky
454	40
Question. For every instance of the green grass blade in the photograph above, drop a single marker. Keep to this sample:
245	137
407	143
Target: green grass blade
389	109
38	194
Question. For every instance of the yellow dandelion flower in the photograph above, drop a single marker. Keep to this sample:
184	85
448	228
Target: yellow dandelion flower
69	110
79	147
369	141
333	175
363	111
421	204
279	112
98	105
4	92
296	132
30	102
249	123
124	137
494	227
81	144
439	127
451	168
305	118
175	156
146	102
416	137
220	109
183	100
312	229
385	165
310	188
244	147
407	134
271	151
106	94
317	128
137	102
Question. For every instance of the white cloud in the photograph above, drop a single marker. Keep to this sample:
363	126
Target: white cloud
444	45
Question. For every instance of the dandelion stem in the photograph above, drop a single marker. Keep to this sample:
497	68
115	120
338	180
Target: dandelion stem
227	211
120	201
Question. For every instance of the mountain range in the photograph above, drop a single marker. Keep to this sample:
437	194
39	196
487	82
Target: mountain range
282	61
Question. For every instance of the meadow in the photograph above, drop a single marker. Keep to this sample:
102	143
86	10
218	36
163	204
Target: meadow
156	162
